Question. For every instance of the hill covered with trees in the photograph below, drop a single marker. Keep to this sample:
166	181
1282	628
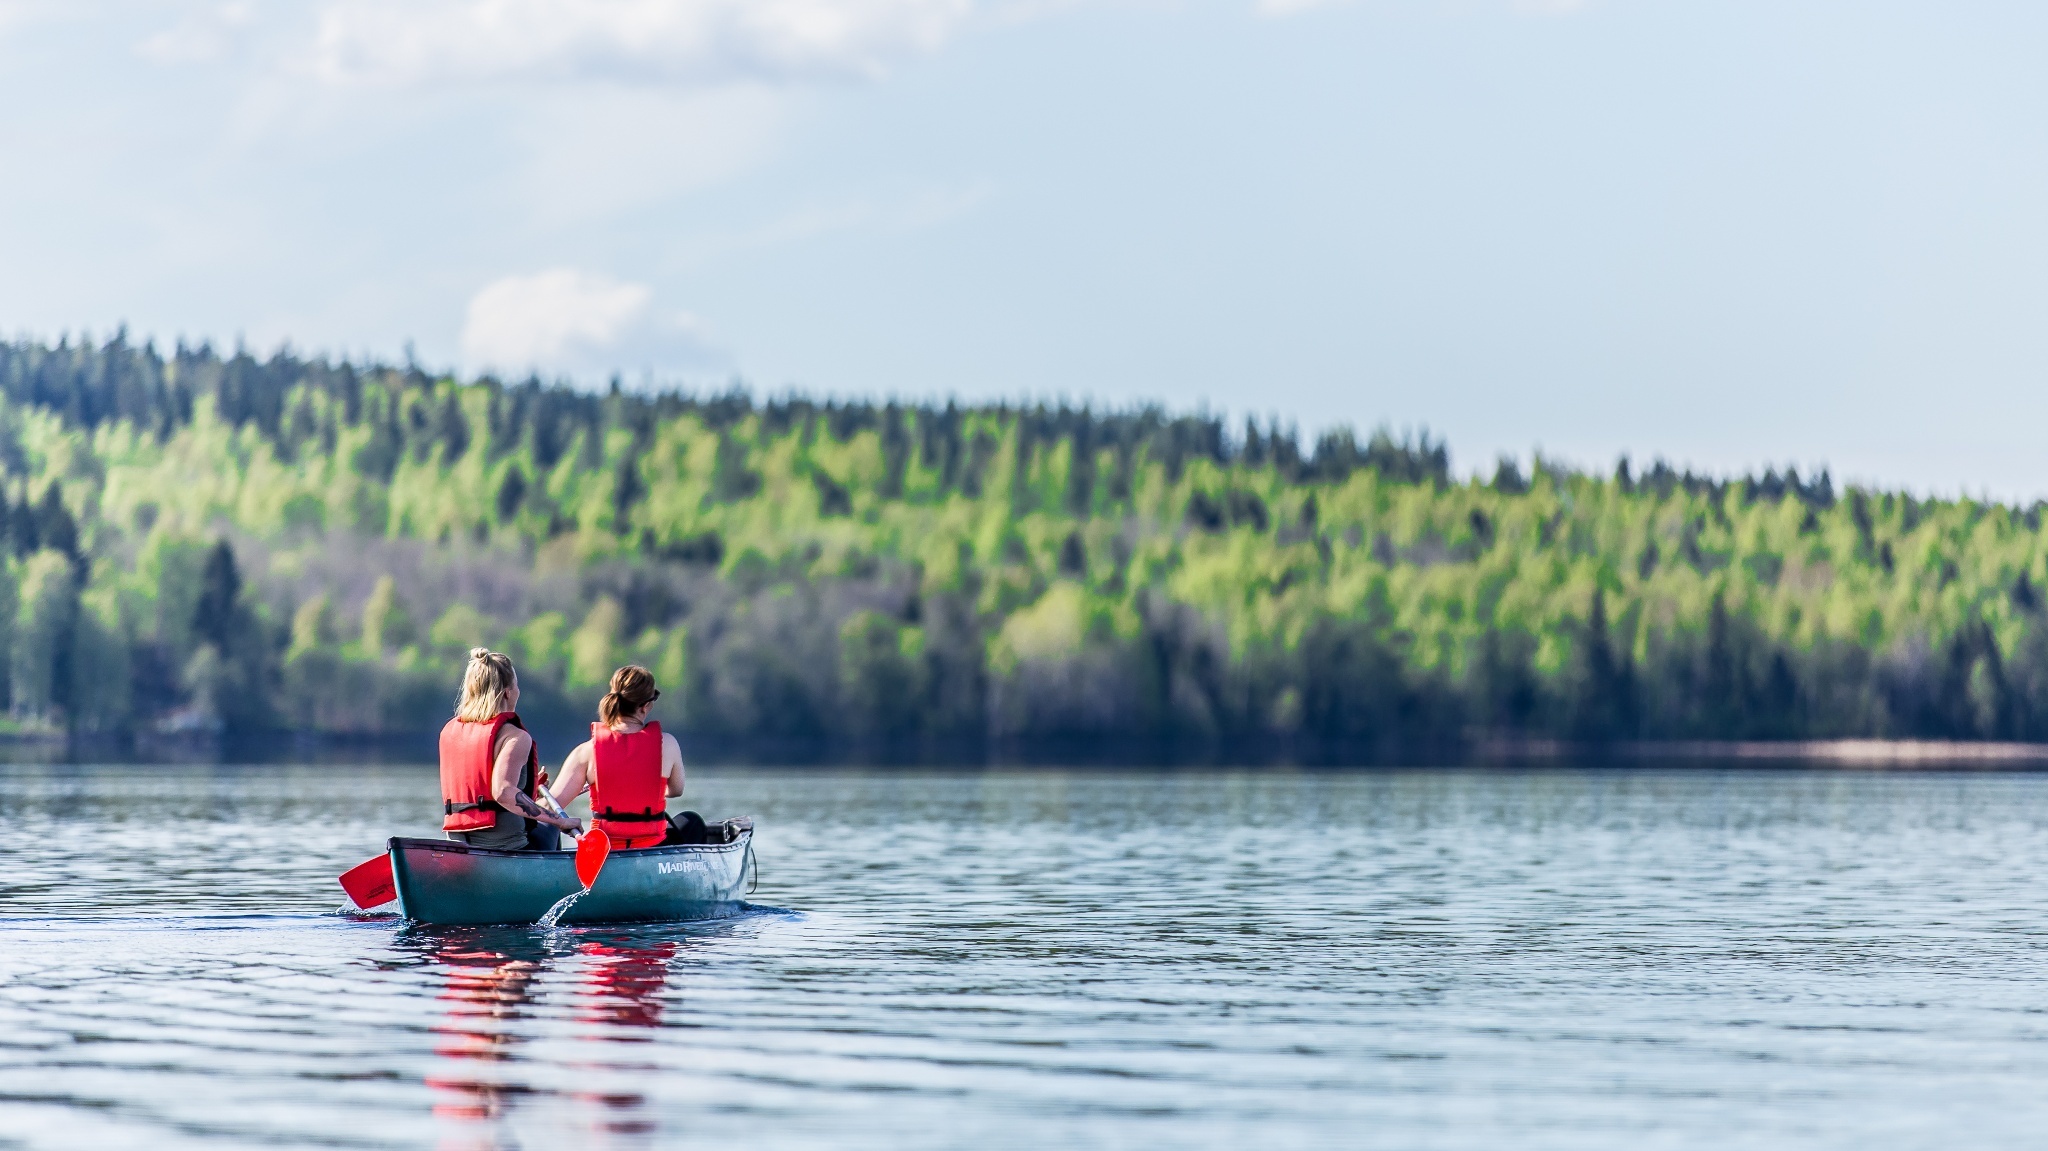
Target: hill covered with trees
204	543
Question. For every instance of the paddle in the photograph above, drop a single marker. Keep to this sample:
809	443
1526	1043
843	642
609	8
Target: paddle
369	883
592	848
591	851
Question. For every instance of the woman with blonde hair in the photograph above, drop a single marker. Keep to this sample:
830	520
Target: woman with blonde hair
631	767
490	770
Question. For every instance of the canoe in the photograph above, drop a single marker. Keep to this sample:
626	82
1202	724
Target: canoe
441	881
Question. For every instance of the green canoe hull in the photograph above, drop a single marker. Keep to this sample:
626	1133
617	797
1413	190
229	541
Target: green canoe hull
441	881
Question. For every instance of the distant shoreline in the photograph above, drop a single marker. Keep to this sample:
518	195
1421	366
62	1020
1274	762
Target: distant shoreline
1840	752
712	752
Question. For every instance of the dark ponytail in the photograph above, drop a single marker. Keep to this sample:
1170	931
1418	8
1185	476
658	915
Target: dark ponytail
632	689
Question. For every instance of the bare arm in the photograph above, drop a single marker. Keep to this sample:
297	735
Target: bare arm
513	751
575	775
672	763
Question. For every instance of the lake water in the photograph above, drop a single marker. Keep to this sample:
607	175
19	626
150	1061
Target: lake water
1038	958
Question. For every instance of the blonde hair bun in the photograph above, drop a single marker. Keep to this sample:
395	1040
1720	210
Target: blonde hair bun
487	685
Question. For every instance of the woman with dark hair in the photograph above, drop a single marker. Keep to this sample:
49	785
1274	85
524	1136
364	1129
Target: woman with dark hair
631	767
490	771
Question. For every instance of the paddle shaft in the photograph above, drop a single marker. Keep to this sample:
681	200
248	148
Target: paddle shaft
547	800
369	884
592	850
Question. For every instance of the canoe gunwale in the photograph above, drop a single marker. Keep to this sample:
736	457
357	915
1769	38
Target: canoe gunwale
408	843
743	835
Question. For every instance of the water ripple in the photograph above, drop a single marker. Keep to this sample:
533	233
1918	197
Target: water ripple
1419	959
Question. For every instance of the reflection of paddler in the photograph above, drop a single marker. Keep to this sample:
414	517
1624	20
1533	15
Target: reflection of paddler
619	990
624	983
487	993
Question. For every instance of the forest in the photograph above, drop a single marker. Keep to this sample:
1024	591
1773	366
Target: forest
201	545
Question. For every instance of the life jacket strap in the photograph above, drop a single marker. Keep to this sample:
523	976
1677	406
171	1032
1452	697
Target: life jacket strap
449	807
632	816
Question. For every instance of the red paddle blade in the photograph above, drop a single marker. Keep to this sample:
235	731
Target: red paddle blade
369	883
591	853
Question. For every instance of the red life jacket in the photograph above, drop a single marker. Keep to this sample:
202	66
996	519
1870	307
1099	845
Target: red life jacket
467	752
628	797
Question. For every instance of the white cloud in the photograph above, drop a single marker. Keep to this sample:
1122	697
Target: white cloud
580	324
678	41
204	36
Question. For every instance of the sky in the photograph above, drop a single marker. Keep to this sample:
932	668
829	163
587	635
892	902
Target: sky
1728	233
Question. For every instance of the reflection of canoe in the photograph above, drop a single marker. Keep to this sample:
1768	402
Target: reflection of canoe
440	881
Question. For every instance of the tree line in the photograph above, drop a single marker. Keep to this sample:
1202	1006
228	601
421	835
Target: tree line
202	543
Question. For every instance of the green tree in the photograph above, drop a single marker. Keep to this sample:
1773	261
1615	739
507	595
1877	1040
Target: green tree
593	645
220	588
881	676
387	626
45	635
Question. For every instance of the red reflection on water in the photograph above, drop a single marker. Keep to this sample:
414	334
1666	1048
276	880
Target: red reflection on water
620	987
487	993
623	985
